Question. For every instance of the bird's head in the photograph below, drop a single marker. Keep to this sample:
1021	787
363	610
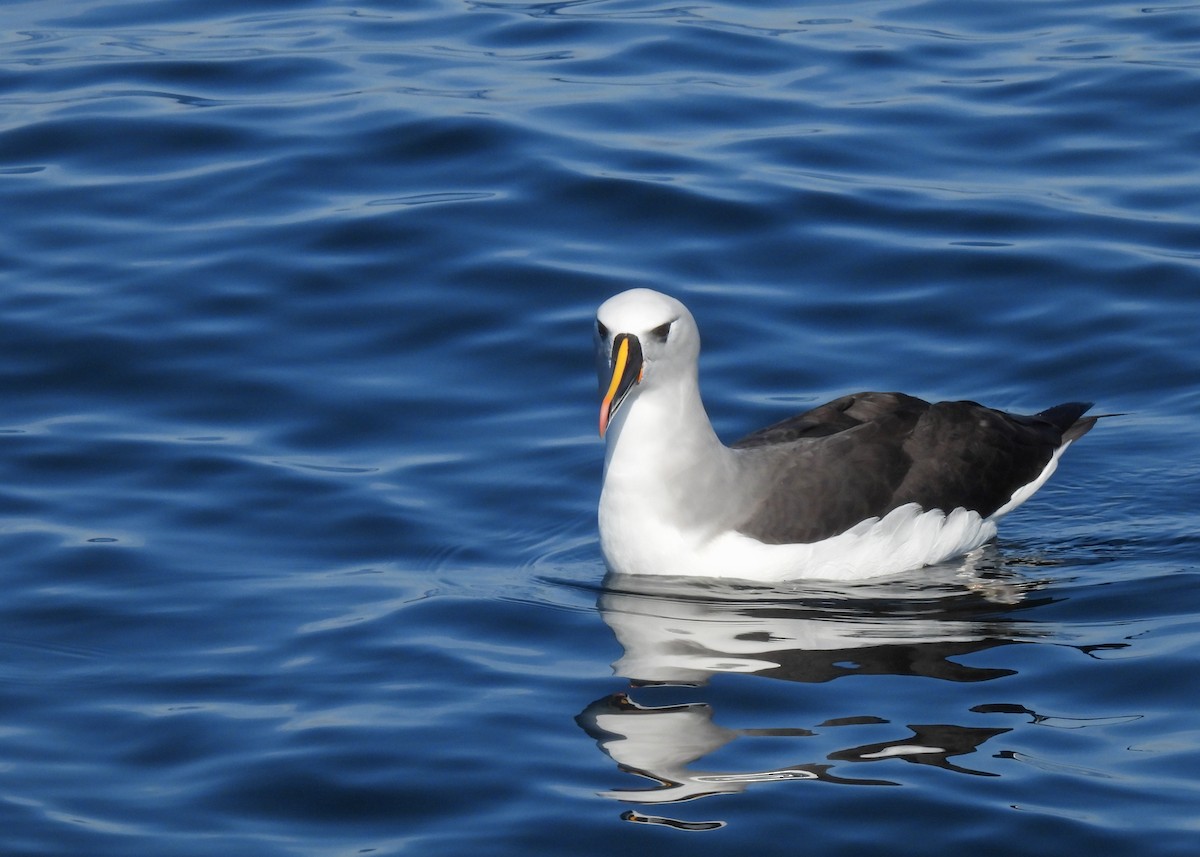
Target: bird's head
643	338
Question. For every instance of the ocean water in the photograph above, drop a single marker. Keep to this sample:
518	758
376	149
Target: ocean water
298	454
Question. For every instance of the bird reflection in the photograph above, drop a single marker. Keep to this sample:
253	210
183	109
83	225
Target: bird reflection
933	744
661	744
683	632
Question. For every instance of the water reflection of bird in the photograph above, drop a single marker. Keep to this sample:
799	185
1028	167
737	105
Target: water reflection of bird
683	631
661	744
867	485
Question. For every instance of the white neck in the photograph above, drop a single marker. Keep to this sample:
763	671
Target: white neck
668	480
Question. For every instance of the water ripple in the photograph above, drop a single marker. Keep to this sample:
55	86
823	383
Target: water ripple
300	467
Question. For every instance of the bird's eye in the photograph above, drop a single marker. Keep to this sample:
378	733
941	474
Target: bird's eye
601	329
662	331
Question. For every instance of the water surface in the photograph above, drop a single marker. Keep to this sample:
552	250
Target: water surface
299	467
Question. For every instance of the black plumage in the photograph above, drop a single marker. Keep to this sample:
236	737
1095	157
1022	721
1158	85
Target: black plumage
861	456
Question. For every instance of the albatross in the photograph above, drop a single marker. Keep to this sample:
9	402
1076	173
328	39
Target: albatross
866	485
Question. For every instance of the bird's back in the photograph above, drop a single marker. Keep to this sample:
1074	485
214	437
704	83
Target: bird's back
861	456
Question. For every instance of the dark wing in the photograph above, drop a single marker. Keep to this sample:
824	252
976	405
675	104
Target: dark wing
965	455
861	456
838	416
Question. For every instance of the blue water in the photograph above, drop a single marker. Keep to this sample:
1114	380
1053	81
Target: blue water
298	465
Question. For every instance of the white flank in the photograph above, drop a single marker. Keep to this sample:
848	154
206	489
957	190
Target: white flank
904	539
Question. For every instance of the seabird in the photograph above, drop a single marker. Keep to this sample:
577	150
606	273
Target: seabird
866	485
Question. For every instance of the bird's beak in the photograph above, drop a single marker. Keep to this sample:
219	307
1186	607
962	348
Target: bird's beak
625	365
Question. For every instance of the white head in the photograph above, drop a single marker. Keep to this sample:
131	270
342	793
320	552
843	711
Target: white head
643	338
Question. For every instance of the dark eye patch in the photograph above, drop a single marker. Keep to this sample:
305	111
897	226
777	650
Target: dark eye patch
601	329
660	333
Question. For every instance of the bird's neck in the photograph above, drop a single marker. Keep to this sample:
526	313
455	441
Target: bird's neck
663	456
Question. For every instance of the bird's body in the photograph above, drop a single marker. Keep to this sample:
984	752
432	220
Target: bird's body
869	484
